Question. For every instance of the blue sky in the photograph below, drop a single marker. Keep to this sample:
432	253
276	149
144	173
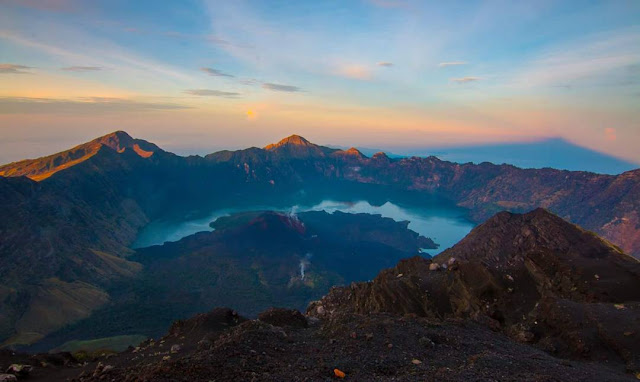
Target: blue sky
202	75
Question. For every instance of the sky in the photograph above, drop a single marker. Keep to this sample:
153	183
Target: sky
195	76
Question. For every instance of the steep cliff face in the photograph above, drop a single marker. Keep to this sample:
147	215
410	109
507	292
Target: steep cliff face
534	276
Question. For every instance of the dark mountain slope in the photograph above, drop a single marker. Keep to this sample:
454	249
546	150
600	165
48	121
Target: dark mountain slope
61	245
535	277
252	260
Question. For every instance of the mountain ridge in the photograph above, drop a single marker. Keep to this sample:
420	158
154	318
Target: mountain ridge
41	168
298	147
292	140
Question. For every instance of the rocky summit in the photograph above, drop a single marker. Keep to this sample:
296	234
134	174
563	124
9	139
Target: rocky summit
42	168
523	297
534	277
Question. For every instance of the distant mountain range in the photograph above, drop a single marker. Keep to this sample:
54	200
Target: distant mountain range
69	219
555	153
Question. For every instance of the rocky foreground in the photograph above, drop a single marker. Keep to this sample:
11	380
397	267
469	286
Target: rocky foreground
285	345
522	298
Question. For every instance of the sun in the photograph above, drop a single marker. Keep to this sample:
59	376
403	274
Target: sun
251	114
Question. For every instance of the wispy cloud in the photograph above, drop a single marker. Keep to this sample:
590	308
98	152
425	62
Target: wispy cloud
385	64
464	80
85	105
216	40
82	68
451	63
102	53
212	93
249	81
216	73
601	58
14	69
281	88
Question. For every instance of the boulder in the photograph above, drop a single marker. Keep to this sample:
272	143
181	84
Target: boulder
19	370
